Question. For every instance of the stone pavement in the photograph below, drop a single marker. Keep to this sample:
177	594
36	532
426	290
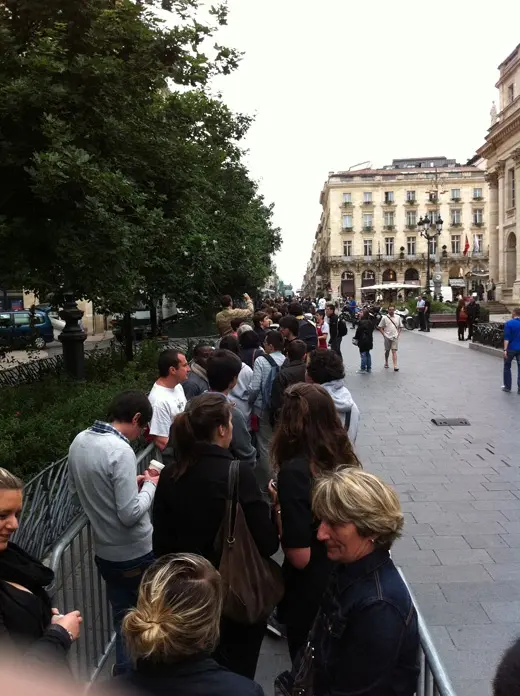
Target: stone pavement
460	491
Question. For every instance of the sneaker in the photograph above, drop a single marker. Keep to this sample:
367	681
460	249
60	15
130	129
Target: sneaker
360	372
274	627
505	389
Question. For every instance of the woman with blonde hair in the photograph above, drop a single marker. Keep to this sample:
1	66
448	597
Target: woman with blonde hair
373	645
174	629
27	620
308	440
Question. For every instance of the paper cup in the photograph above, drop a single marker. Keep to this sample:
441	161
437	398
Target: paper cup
154	464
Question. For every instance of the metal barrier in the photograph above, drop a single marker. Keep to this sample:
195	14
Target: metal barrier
78	585
433	679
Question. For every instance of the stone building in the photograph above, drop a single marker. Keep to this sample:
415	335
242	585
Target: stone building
502	152
368	232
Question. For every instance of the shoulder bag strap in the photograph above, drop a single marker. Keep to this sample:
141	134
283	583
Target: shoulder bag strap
232	497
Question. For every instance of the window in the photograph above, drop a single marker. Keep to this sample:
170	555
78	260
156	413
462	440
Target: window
389	219
479	243
511	188
433	246
367	220
389	246
347	248
367	247
432	197
5	320
455	194
511	93
455	243
478	216
347	198
22	319
347	222
456	216
477	194
410	196
367	197
411	218
410	246
389	196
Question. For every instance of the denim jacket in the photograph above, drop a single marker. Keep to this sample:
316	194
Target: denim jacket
366	636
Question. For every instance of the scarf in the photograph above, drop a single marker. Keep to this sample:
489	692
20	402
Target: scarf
199	371
17	566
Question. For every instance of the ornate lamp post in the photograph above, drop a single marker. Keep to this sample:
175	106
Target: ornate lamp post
424	226
72	338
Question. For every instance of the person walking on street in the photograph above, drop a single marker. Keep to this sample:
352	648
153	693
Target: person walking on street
102	475
365	342
197	382
420	312
512	349
462	318
391	326
322	329
335	334
473	311
167	396
427	311
223	318
265	371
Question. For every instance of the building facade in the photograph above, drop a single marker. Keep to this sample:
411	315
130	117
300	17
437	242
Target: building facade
502	152
368	232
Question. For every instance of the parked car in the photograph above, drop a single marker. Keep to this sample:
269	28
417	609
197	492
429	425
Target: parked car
18	328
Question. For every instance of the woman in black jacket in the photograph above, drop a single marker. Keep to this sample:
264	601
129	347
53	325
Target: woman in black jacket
365	636
365	341
174	629
250	347
309	439
27	620
190	503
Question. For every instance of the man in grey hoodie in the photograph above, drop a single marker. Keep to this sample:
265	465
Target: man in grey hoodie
325	367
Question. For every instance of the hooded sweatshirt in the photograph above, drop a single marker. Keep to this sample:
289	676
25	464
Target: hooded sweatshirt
345	406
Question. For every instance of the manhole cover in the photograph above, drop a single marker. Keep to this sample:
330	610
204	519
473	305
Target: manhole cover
450	421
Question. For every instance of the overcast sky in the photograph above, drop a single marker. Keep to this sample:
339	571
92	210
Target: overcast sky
336	82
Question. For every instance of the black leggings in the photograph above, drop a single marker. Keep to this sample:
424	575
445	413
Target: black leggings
461	325
239	647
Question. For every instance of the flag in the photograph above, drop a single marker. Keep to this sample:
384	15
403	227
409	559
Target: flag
476	244
466	246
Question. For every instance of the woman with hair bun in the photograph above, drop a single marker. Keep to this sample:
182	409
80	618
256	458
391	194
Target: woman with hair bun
190	503
173	630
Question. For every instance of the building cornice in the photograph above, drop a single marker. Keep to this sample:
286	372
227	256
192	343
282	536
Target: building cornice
498	134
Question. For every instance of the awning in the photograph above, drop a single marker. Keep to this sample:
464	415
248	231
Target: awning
391	286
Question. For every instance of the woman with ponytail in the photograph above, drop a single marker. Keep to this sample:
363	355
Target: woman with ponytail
190	503
174	629
308	441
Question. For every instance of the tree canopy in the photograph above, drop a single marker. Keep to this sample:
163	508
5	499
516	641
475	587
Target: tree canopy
121	173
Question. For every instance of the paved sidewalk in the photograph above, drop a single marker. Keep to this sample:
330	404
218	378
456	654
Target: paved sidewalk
460	490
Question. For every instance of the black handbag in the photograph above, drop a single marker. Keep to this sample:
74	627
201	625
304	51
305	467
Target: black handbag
300	680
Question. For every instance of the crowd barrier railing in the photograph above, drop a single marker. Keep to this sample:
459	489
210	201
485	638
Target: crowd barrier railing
78	585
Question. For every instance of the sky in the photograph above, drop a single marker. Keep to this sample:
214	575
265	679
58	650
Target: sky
332	83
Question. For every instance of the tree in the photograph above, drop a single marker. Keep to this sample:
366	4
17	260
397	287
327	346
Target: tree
114	186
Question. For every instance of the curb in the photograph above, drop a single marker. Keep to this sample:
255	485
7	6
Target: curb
496	352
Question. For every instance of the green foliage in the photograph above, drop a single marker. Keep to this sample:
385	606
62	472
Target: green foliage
436	307
113	186
39	421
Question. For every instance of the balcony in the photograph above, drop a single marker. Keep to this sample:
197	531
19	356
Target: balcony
347	229
411	226
368	203
347	204
477	224
411	201
388	202
455	199
477	199
455	224
368	228
432	201
389	227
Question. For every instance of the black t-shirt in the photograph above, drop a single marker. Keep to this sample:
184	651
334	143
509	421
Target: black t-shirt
303	588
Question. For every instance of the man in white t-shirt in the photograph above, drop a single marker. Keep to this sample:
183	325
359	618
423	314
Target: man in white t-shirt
391	326
322	303
167	396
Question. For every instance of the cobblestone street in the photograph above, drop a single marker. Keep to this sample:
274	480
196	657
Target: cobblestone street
460	490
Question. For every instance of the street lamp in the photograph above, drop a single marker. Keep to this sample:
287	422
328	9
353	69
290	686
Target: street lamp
424	226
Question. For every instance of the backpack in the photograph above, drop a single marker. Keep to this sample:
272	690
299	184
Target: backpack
342	327
267	386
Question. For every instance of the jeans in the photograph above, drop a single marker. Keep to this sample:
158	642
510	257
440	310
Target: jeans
511	355
263	439
335	345
122	580
366	360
